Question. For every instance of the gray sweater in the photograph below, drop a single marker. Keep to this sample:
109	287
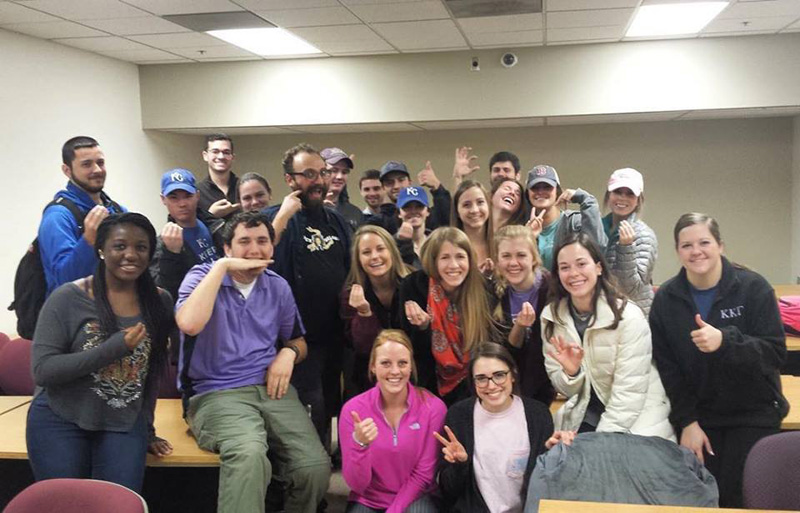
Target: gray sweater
633	265
92	380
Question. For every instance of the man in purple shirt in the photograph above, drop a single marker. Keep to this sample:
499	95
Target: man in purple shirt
241	337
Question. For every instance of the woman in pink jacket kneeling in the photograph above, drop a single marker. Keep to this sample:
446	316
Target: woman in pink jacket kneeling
389	456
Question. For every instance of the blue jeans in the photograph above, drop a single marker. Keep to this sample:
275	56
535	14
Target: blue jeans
58	448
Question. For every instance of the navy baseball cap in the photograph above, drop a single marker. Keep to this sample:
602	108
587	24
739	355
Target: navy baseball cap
412	193
546	174
178	178
394	166
332	156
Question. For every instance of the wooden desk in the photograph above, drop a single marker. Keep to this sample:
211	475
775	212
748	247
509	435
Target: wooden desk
786	290
792	343
791	390
10	402
169	425
551	506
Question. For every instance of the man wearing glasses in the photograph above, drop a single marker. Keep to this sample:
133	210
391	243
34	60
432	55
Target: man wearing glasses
313	256
219	192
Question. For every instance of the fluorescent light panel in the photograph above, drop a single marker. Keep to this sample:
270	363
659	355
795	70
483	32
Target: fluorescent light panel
266	41
674	19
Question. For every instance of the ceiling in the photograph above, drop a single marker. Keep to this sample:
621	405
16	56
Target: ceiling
134	30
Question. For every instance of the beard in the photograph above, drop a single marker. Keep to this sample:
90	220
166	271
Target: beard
313	203
91	189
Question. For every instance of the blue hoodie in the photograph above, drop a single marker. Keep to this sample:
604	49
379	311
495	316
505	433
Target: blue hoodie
66	255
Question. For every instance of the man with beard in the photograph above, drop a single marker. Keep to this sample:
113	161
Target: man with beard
313	256
66	244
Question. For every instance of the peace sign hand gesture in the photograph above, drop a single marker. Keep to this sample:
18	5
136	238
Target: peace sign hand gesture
452	449
536	222
568	354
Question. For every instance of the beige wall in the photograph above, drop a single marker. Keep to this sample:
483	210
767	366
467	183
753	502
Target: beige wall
795	233
736	170
645	76
50	93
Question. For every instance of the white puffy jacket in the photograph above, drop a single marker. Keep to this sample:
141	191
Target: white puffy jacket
618	364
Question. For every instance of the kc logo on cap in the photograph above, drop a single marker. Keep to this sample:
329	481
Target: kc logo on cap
176	177
412	191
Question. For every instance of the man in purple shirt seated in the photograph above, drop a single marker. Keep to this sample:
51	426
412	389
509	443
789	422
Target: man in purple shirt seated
241	337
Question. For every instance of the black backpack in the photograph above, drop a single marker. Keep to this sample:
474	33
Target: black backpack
30	284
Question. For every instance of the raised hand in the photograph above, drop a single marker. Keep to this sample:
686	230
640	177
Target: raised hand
626	233
464	164
328	201
566	197
526	316
291	203
406	231
364	431
359	301
565	437
134	335
452	449
486	267
223	207
92	221
172	236
233	264
707	338
694	438
536	222
416	315
427	177
568	354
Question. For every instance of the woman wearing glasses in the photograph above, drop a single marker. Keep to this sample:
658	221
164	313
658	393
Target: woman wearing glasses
598	350
491	441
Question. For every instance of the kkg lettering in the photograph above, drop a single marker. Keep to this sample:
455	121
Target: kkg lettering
731	313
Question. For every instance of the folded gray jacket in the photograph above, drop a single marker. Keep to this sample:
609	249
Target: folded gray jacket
621	468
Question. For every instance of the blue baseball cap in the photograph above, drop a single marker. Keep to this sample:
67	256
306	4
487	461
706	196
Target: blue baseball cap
412	193
178	178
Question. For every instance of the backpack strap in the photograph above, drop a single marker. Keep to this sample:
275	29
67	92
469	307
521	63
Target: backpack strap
70	205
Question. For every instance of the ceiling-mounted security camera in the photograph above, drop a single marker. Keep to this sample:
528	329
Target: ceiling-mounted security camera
509	60
474	64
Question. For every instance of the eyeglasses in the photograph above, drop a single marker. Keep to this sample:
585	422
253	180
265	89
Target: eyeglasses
311	174
498	378
224	153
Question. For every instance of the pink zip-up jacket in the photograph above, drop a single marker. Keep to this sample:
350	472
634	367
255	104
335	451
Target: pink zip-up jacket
399	466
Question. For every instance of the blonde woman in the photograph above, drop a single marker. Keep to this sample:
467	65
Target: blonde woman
472	215
446	312
369	299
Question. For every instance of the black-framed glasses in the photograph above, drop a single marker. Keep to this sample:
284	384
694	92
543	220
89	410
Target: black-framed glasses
312	174
498	378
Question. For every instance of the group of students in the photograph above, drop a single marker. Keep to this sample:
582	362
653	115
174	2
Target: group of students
466	331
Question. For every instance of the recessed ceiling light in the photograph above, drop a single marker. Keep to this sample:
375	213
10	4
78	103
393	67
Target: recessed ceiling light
673	19
266	41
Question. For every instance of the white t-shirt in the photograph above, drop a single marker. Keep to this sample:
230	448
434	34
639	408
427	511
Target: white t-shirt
244	288
501	455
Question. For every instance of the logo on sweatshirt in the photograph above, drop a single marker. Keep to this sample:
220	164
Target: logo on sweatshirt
731	313
414	426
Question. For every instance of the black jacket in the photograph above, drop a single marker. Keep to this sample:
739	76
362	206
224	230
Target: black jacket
457	480
737	385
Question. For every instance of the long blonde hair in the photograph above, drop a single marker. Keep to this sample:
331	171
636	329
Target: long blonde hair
357	275
455	219
470	298
507	233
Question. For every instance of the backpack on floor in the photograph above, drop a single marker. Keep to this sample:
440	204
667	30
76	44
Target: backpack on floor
30	284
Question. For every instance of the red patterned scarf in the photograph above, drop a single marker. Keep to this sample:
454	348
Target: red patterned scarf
447	341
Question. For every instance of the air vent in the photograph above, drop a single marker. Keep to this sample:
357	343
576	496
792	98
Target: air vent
479	8
219	21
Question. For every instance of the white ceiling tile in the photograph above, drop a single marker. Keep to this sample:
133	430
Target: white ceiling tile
162	61
339	33
479	123
794	26
86	9
595	18
765	24
14	13
584	34
212	52
146	55
494	39
351	47
163	7
269	5
54	29
96	44
422	35
636	117
314	17
501	23
136	26
182	40
362	53
231	59
408	11
580	5
766	8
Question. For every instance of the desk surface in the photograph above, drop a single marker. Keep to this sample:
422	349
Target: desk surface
786	290
10	402
169	425
550	506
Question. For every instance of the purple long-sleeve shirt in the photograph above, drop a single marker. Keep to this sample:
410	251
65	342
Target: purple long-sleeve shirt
399	466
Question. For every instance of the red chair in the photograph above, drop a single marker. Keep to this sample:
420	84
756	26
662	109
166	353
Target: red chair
3	340
15	368
76	496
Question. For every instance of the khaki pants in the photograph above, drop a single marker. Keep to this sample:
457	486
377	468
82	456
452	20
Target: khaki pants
241	424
